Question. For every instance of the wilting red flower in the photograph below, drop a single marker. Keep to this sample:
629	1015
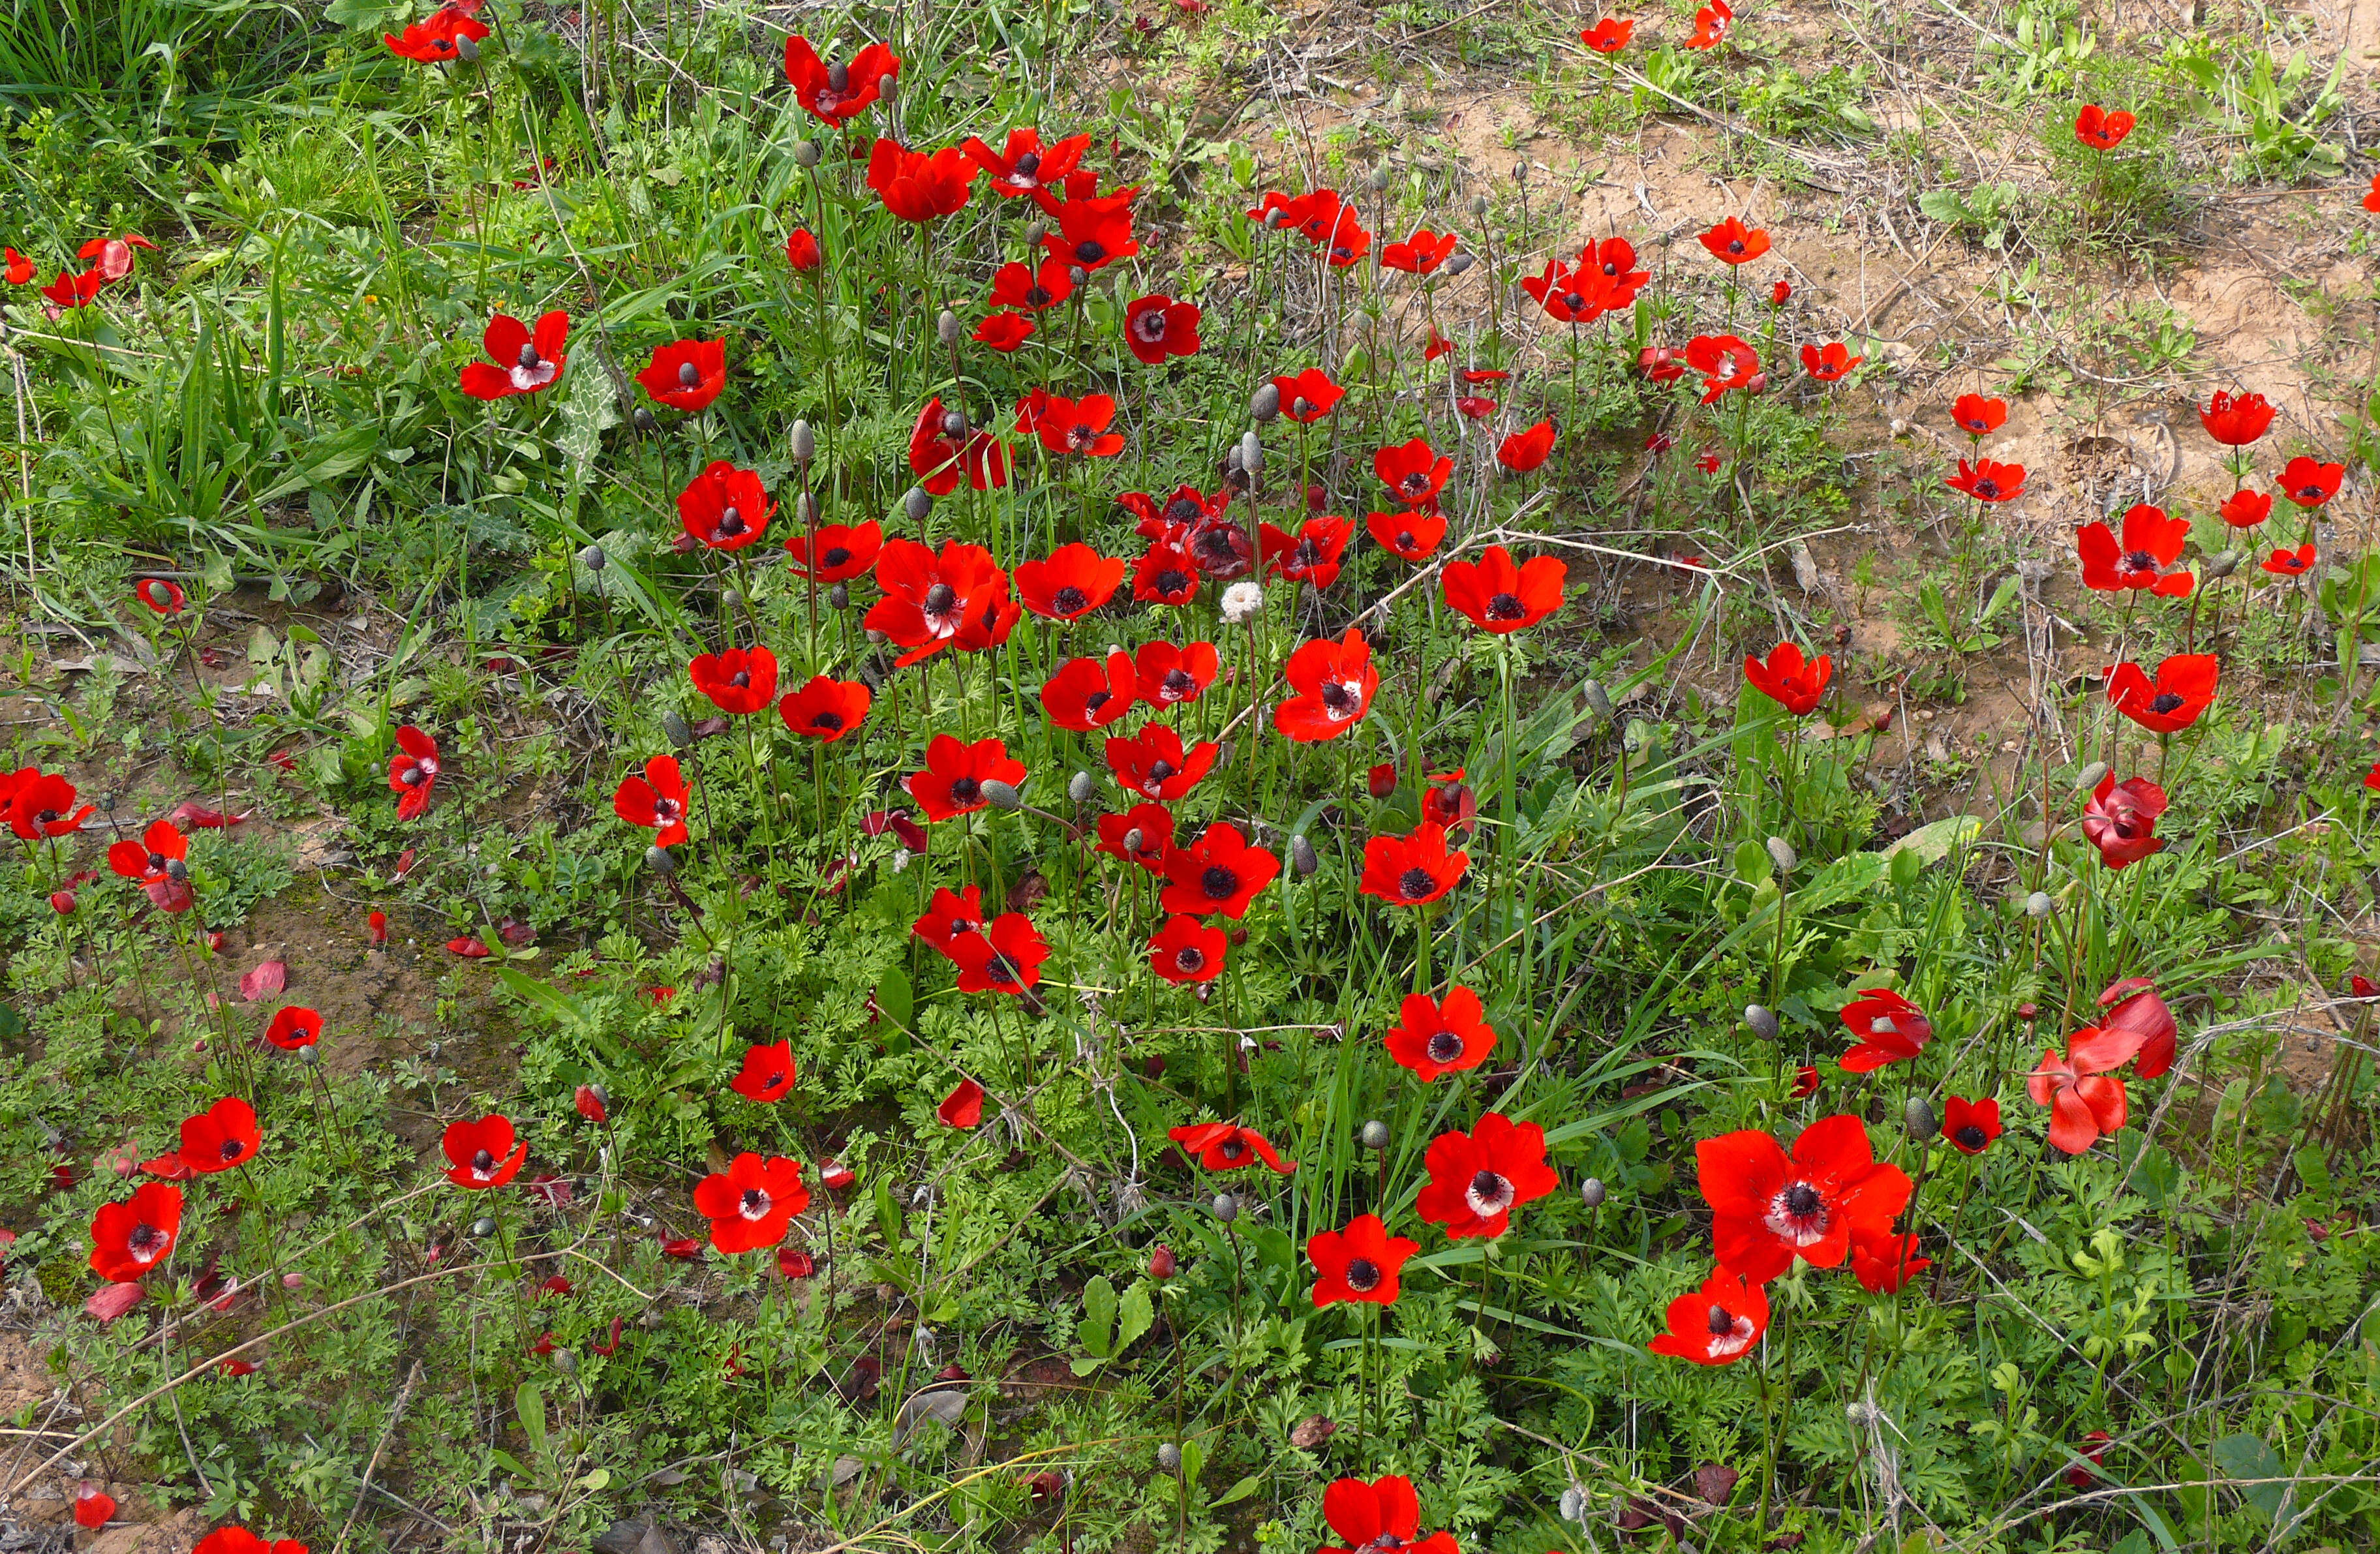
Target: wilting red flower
1830	365
793	1263
1711	22
294	1027
835	94
1360	1263
1228	1147
1310	556
953	783
1661	364
1717	1324
2102	130
128	1239
2083	1102
587	1101
433	41
92	1505
1003	331
1412	533
1779	293
1016	285
1165	676
1988	482
1883	1263
2152	542
768	1072
519	361
1978	415
802	250
1478	1179
1220	548
1156	328
1092	233
1434	1038
752	1203
2094	1450
1155	823
1154	764
1005	958
1079	426
1334	682
934	601
686	375
1788	678
1609	35
163	596
1420	254
1024	164
1308	397
826	710
1769	1208
413	772
2309	483
963	1108
1437	345
844	553
1185	950
1524	450
724	508
2120	819
1477	408
2235	419
43	805
1220	872
919	185
739	681
1727	364
1891	1029
1447	800
1806	1082
468	946
1970	1125
1075	581
1731	242
1086	695
1499	597
481	1155
145	860
2183	687
2290	564
2136	1017
21	268
1380	781
1413	869
1165	576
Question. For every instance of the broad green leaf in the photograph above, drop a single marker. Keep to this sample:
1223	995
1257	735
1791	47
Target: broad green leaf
1134	1316
1097	1329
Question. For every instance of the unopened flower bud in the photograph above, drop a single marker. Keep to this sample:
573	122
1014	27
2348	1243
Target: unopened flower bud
176	869
1478	205
1781	852
1002	795
1169	1457
1373	1134
1598	700
675	730
1275	219
838	598
565	1361
1133	840
305	1056
1033	233
483	1227
803	442
2088	778
661	862
884	85
467	48
917	504
644	419
1458	264
2039	905
1226	1208
1590	1192
2222	566
1077	274
1082	787
1379	179
592	558
1302	858
1251	454
1918	1113
731	598
946	327
1162	1261
1264	405
805	154
1760	1021
1573	1505
954	425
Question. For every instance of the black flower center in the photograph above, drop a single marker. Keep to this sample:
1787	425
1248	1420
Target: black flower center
2167	701
1416	883
836	556
831	721
527	355
1160	770
1029	164
1150	325
1189	958
230	1149
687	374
1037	296
731	522
142	1239
1971	1136
483	1163
1004	971
1987	488
1338	698
1489	1194
1405	541
741	679
1070	599
156	863
1363	1275
1721	1323
940	598
1090	251
2140	561
1180	510
1097	700
1170	581
1573	302
965	790
1801	1200
754	1205
1507	607
1445	1045
1220	883
1735	244
1179	682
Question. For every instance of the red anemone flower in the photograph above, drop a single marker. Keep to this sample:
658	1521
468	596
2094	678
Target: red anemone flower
1711	22
2102	130
1883	1263
2138	1022
1024	164
1003	331
147	859
1447	800
1412	534
1086	695
1178	516
42	804
1220	548
686	375
1717	1324
1334	682
479	1155
1360	1263
724	508
519	361
1157	328
1349	241
294	1027
1383	1514
1891	1029
1769	1208
919	185
767	1075
1788	678
413	772
2183	687
1092	234
1228	1147
1615	259
835	94
1079	426
1970	1125
843	551
1220	872
2309	483
1155	825
21	268
1154	764
1978	416
939	460
1420	254
752	1203
1497	595
1413	869
953	783
1016	285
1609	35
1988	482
802	250
436	40
2290	564
826	710
1526	450
2120	819
1165	576
950	920
1830	364
1728	363
1165	676
934	601
1435	1038
1478	1179
1075	581
2083	1102
2152	542
128	1239
963	1108
2235	419
1731	242
2245	509
1308	397
161	596
1312	555
1004	958
739	681
1569	295
1185	950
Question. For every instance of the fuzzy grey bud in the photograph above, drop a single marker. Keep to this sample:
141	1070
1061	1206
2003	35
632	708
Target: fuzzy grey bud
946	327
675	729
661	861
2222	566
1077	274
1590	1192
1573	1504
645	422
1275	219
1781	854
1478	205
803	442
838	598
592	558
305	1056
1002	796
566	1361
1760	1021
483	1227
1918	1113
1379	179
1598	700
917	504
1169	1458
2090	776
805	154
1082	787
1458	264
1133	839
2039	905
1033	233
1226	1208
1264	405
1251	454
884	85
467	48
176	869
1373	1134
1302	858
955	422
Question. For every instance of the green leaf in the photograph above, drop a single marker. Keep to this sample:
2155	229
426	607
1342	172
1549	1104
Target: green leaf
588	410
1136	1316
2248	1457
1752	863
532	1403
1239	1491
1097	1329
895	997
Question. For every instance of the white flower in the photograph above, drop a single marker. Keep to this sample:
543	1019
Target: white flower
1241	603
